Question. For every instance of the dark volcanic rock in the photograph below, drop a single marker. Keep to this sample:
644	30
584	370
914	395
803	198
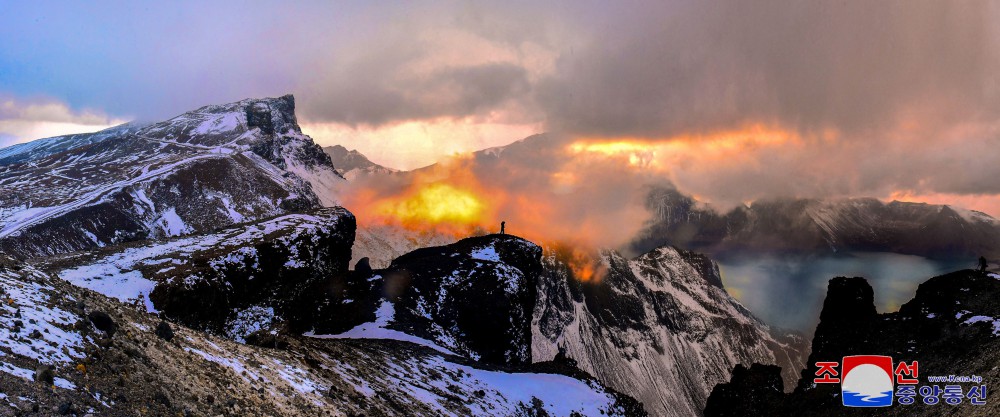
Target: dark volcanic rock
848	322
263	281
363	267
238	280
949	327
45	374
103	322
475	296
163	331
266	339
756	391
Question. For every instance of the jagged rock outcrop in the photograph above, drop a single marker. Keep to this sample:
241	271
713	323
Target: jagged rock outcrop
848	323
474	298
660	327
213	167
753	391
950	327
232	282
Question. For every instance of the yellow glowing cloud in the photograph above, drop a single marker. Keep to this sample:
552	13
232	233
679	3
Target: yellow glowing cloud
436	203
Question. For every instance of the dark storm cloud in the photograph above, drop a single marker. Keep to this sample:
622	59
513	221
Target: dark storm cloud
886	95
375	95
628	68
655	70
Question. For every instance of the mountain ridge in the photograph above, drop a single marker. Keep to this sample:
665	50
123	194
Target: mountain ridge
187	174
352	164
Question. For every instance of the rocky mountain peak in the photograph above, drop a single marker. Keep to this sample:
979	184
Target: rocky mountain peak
848	300
212	167
475	296
353	164
272	115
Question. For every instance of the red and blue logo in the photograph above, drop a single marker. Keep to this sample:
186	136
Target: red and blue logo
872	381
867	381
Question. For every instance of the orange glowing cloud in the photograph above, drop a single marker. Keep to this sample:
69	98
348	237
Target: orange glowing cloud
986	203
586	267
461	198
582	194
665	153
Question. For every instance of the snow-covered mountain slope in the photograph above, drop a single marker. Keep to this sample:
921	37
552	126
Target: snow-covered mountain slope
659	327
383	243
110	358
215	166
820	226
232	282
353	165
950	327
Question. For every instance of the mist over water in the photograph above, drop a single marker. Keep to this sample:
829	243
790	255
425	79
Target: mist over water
788	291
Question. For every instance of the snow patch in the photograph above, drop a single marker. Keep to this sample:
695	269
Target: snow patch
376	330
488	253
55	343
30	376
172	224
107	279
249	320
985	319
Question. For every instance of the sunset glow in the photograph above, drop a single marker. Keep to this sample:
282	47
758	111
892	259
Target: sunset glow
659	153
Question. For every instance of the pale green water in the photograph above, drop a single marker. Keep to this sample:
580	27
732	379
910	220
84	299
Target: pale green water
788	291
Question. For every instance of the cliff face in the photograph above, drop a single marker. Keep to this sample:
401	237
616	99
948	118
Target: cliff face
232	282
474	298
660	327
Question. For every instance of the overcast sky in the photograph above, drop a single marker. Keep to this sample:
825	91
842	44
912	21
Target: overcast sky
887	99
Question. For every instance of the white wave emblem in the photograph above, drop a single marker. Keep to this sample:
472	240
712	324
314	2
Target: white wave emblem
867	386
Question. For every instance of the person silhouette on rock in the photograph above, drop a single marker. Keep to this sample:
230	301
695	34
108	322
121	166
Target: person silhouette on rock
503	225
982	264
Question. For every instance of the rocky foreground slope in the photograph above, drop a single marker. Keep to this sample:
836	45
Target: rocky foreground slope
234	282
950	327
430	348
135	367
